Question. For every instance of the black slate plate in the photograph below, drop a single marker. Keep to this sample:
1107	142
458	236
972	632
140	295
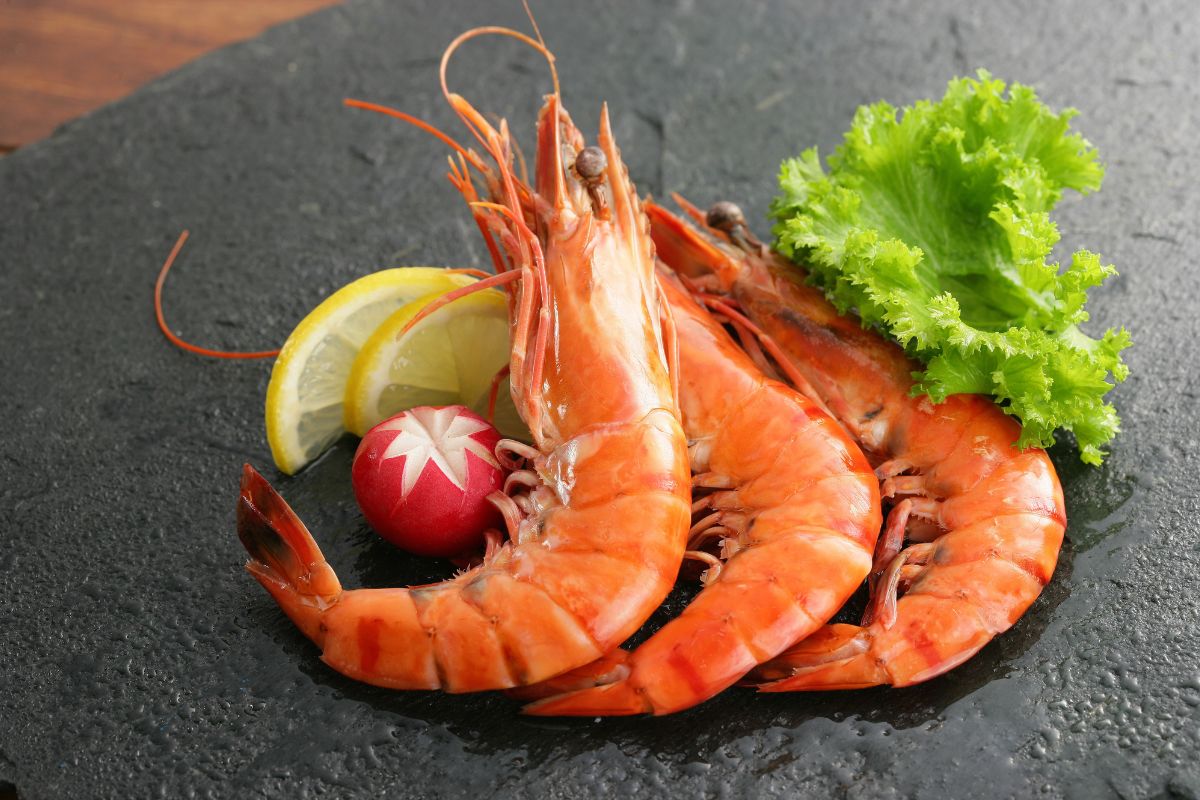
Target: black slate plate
137	659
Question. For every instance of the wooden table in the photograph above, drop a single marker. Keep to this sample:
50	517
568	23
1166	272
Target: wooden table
62	58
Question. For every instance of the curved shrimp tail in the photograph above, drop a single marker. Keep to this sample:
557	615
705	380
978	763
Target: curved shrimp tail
284	558
608	668
620	699
834	657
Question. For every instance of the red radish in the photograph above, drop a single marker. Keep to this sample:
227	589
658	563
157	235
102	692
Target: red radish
422	478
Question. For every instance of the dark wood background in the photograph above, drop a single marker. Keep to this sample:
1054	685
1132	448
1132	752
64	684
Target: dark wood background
62	58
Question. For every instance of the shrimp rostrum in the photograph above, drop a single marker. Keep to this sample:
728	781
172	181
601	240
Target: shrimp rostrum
975	524
599	512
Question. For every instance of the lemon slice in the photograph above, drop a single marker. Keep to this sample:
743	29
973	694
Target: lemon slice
308	382
450	357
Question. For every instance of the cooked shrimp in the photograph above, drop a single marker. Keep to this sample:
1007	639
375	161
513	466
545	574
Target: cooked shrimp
600	520
984	520
794	505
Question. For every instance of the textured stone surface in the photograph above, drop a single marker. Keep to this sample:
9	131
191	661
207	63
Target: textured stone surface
139	660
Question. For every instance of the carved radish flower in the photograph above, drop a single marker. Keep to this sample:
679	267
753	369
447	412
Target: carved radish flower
422	478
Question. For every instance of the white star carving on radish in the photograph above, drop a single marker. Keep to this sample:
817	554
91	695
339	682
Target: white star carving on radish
422	479
441	435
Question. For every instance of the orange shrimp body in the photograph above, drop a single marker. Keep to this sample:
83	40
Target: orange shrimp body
600	519
797	504
984	519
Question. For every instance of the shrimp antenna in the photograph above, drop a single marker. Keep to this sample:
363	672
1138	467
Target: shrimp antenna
167	332
491	280
538	32
417	122
470	117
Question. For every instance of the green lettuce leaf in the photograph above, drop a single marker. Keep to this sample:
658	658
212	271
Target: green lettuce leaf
933	224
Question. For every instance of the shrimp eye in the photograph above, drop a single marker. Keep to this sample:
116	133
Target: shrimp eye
590	163
725	216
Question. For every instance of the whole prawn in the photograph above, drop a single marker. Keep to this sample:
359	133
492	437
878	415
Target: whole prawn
795	506
984	521
598	513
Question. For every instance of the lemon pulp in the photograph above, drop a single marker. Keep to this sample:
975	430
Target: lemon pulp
449	357
304	406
